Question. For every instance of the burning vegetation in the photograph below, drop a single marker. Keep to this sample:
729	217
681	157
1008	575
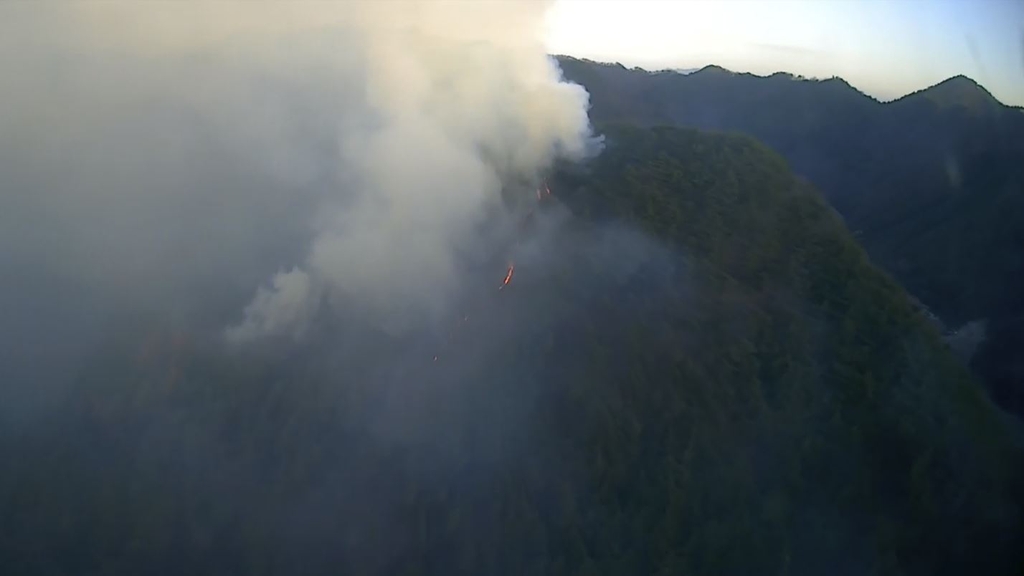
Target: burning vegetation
542	193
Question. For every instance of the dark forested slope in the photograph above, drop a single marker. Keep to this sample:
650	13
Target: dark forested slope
932	184
695	370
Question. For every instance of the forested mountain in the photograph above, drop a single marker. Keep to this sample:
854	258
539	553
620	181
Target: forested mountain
695	370
931	184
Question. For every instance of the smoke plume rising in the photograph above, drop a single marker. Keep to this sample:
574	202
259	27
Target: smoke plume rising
459	100
237	164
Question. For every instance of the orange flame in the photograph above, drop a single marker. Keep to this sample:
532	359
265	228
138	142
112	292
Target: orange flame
511	267
508	276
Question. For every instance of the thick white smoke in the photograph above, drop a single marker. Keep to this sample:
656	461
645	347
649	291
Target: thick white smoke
459	97
172	156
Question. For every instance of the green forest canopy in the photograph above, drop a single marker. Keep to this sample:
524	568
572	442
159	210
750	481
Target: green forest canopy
932	184
752	396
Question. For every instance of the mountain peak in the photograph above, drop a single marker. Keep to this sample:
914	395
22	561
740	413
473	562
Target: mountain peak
959	91
713	69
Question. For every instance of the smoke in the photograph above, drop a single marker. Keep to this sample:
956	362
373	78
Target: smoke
235	164
285	307
460	100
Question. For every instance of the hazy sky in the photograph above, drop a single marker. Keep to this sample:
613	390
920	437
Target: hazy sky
886	48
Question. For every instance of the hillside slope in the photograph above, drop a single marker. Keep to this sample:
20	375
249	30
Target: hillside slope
932	184
695	370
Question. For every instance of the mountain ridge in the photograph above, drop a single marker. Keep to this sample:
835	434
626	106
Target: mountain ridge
715	68
931	184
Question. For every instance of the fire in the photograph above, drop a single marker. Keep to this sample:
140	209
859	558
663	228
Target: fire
541	193
508	276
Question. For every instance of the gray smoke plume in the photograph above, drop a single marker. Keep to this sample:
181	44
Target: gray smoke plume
458	99
157	150
181	159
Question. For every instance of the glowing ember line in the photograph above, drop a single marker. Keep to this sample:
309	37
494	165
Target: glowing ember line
508	276
511	267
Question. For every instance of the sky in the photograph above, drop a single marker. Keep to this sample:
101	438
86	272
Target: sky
886	48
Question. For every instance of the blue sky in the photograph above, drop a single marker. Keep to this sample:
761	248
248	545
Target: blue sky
886	48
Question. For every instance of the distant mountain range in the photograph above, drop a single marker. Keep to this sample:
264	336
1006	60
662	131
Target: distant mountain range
932	184
945	87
